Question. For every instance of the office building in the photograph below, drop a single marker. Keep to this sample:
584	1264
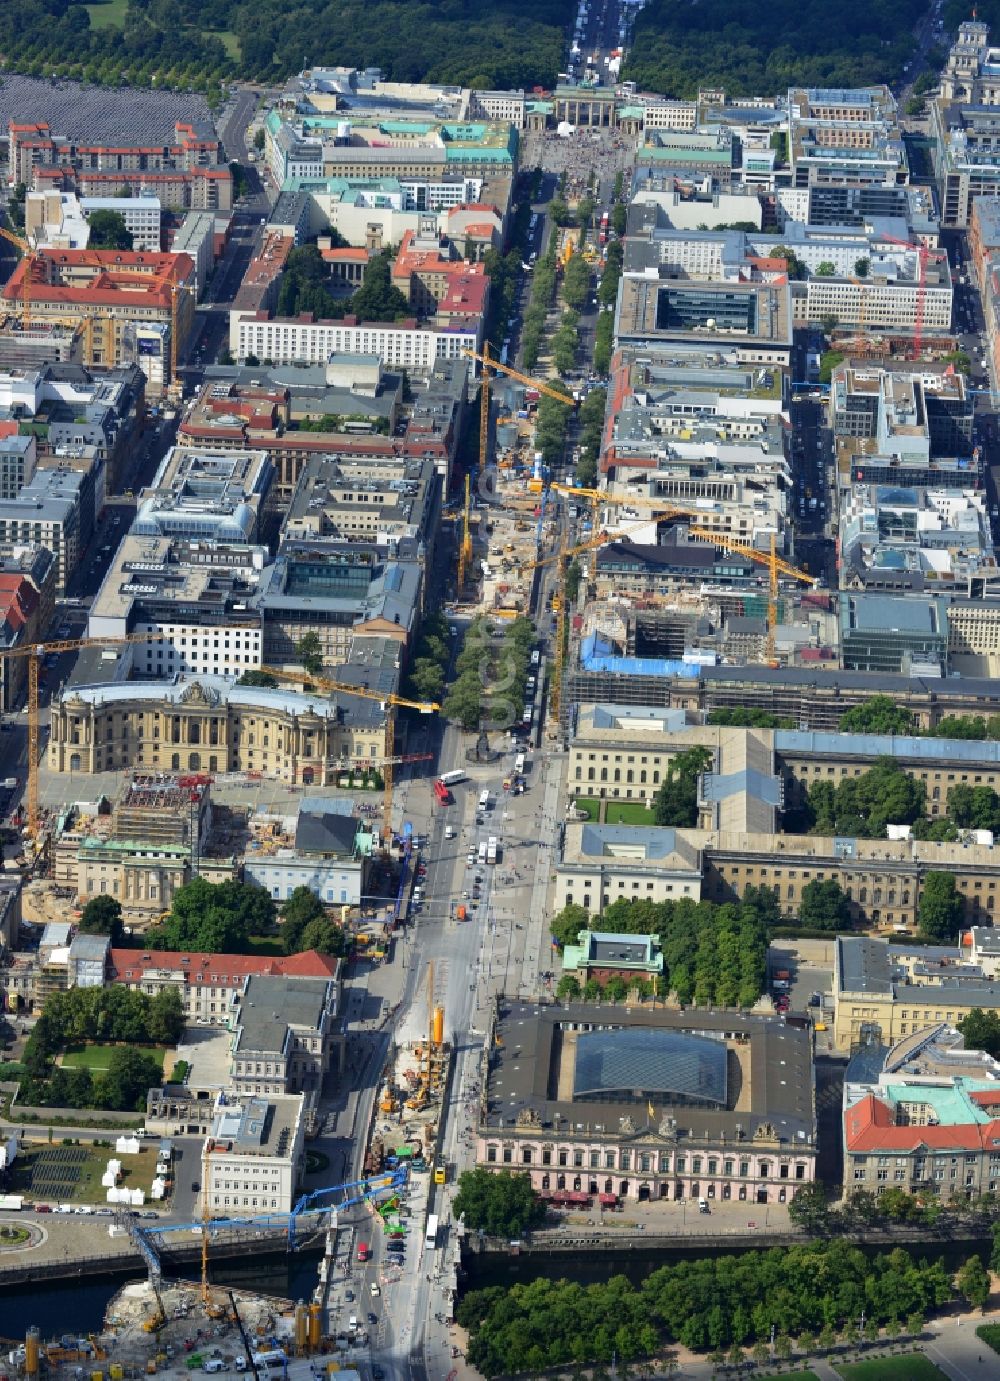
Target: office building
287	1035
211	986
399	345
884	992
751	320
884	634
192	601
254	1157
923	1116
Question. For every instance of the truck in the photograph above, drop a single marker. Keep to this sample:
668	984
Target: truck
364	1251
491	849
603	232
13	1203
442	793
452	778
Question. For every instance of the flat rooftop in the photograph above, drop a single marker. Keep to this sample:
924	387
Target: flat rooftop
257	1127
654	308
271	1006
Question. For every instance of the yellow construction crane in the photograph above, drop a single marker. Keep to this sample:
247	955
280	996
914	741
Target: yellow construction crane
465	543
775	564
29	258
34	653
391	703
175	388
489	363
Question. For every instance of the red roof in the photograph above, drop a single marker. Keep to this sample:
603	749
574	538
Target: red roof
119	277
870	1126
221	970
18	600
353	254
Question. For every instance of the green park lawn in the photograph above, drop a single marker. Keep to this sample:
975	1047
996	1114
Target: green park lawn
617	813
110	15
94	1056
228	40
265	944
914	1366
72	1174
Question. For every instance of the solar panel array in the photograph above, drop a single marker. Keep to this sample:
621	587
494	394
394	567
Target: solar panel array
56	1172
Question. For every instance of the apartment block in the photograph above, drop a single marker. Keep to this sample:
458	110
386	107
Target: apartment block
115	294
189	170
399	345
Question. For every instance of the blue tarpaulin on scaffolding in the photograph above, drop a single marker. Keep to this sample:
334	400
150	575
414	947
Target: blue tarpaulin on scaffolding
597	654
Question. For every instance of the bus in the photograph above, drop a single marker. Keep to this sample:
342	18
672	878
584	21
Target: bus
452	778
442	793
431	1235
603	235
482	852
491	849
484	800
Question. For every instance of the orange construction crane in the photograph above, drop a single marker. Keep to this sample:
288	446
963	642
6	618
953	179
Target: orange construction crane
29	258
391	703
35	652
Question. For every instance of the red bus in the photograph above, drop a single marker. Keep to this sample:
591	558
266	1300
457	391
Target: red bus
603	237
442	793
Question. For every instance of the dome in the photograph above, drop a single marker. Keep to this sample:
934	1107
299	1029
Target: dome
670	1065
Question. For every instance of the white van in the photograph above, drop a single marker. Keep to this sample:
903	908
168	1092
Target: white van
214	1364
449	831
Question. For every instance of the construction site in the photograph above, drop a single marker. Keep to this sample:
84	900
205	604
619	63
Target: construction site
170	1328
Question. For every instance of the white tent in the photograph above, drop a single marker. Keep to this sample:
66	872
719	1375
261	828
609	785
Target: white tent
127	1145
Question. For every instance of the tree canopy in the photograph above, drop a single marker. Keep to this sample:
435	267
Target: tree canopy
501	1204
861	807
824	906
715	1302
215	918
115	1014
941	909
711	954
981	1031
878	715
103	916
108	231
305	287
676	801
